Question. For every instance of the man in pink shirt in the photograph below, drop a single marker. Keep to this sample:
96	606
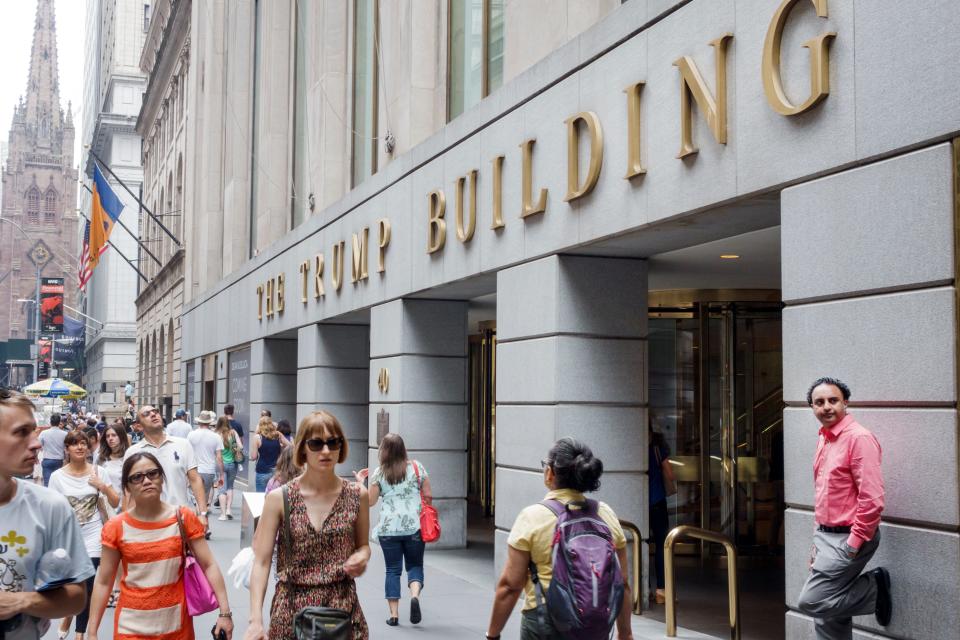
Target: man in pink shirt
849	499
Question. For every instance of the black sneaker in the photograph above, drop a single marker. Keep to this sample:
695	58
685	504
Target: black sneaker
884	601
415	610
393	621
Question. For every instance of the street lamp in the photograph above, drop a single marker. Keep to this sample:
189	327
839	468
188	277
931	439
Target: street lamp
36	325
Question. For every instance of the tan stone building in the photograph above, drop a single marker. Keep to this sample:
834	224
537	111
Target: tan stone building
161	123
39	193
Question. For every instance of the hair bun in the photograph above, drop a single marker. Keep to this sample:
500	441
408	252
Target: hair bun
587	471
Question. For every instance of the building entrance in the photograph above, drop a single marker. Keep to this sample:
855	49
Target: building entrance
716	394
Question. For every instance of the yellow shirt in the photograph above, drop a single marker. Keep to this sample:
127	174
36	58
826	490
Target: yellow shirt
533	532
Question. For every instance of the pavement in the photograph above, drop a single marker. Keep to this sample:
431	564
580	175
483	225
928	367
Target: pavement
456	599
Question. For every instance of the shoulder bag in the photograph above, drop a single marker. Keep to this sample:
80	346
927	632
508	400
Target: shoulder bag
237	447
429	519
315	623
200	596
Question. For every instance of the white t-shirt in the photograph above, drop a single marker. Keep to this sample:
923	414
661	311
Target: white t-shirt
52	441
205	445
114	469
83	499
176	458
179	429
36	521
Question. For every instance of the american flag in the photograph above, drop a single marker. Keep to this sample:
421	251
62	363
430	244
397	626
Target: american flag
84	270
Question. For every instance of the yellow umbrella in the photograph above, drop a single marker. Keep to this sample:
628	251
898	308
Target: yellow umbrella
55	388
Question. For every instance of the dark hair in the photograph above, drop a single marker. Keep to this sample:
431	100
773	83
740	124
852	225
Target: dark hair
844	389
134	459
283	426
105	452
74	437
54	419
228	409
266	412
575	466
92	422
393	458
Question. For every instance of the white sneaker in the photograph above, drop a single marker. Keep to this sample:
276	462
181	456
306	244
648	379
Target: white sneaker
222	517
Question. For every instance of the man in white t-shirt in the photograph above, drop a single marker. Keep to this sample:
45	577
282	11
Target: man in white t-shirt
42	543
179	427
175	456
206	445
51	439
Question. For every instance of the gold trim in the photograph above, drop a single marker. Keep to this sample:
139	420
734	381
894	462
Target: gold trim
955	147
687	297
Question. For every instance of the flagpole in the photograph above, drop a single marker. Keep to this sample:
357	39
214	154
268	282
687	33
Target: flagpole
119	253
127	229
124	185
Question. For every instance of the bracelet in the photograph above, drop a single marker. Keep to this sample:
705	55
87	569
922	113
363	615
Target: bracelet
228	614
489	637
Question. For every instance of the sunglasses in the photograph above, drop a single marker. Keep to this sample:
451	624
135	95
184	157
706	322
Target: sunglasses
317	444
149	412
137	478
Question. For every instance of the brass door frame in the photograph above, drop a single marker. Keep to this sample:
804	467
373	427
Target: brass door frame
482	444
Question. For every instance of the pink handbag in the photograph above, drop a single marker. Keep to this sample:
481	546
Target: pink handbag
200	596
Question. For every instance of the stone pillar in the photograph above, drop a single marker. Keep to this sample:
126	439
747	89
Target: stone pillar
223	371
333	361
419	348
869	282
273	379
571	361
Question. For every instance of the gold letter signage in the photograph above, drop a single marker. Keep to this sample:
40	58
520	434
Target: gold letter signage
819	62
529	208
693	86
436	225
595	131
465	230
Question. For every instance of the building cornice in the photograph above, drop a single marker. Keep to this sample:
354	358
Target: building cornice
175	39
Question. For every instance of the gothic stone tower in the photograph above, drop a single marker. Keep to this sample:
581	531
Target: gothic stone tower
39	188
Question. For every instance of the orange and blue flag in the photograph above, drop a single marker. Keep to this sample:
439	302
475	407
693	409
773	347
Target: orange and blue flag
105	211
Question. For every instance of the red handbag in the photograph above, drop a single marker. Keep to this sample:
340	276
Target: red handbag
429	520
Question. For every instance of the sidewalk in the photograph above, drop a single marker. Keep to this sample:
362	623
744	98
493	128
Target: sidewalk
455	602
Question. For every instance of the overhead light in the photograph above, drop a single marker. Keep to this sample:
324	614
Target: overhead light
729	256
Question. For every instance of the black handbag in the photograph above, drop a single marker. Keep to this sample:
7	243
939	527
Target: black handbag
315	623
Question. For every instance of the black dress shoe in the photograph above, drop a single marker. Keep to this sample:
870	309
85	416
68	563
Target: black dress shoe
884	601
393	621
414	610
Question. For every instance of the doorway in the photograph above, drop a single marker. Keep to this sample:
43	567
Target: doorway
482	434
716	394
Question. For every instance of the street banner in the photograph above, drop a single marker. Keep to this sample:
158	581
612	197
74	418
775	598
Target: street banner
51	305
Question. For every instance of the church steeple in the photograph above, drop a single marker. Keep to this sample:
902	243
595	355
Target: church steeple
43	116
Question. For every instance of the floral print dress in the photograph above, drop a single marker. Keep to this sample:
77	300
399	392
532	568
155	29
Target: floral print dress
310	573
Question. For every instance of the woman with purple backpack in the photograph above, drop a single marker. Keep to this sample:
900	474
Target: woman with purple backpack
587	591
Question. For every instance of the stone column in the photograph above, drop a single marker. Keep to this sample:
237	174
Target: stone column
869	282
571	361
223	371
273	379
419	348
333	361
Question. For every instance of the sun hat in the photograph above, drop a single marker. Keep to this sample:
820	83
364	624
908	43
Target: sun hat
206	417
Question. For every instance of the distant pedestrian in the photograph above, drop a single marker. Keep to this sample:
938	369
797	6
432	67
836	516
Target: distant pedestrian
40	527
283	426
179	427
176	457
128	391
569	471
234	423
400	482
148	543
83	483
51	439
661	484
849	496
285	471
322	547
265	447
232	449
93	443
207	446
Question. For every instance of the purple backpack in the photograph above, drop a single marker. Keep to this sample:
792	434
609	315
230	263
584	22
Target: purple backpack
586	591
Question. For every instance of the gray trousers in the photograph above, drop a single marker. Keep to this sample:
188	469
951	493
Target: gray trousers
835	590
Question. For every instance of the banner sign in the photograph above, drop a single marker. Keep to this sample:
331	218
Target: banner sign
238	387
51	305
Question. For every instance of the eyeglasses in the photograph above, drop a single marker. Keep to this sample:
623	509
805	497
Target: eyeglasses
149	412
317	444
544	464
137	478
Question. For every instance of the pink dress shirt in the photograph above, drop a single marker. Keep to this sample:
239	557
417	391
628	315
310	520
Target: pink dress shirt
848	480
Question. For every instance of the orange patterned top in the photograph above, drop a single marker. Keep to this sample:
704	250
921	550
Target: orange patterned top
152	600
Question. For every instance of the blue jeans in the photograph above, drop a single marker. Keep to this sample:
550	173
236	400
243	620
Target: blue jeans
262	479
398	550
229	475
48	467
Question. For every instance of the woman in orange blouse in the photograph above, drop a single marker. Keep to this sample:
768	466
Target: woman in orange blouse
147	541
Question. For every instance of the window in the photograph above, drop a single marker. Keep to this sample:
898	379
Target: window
146	17
255	126
475	52
33	206
50	206
300	206
364	89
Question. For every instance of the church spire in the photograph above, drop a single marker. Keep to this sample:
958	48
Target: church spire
43	113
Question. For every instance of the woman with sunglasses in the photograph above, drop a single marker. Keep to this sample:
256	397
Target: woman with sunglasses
329	523
148	541
84	485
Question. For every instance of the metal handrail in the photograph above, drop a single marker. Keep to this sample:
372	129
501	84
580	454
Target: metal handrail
635	570
733	591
